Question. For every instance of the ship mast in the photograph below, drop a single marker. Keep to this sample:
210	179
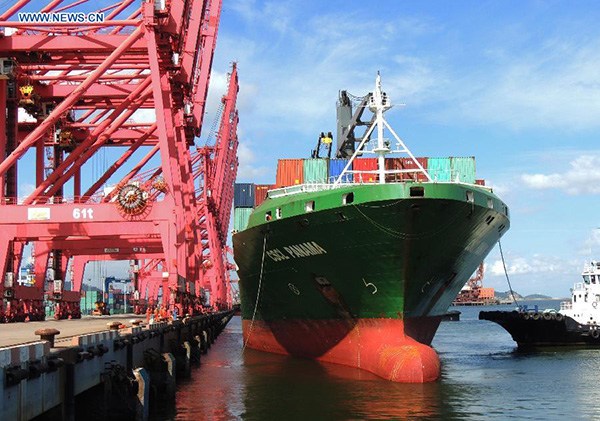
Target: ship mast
378	103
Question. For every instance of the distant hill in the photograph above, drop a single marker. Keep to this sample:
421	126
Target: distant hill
537	297
507	296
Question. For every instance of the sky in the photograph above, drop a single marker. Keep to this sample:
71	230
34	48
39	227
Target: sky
513	83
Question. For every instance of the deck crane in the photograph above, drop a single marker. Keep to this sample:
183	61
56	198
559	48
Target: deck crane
83	86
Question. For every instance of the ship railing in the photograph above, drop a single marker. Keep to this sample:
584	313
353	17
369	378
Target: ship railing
357	181
579	286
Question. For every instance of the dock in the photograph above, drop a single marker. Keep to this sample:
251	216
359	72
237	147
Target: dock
47	366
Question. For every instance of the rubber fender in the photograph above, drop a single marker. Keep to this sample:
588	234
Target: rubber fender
36	368
14	375
54	363
102	349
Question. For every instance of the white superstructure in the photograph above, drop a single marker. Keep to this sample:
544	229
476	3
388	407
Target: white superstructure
584	306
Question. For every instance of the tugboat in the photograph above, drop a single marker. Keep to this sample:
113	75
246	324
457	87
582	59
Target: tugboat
576	323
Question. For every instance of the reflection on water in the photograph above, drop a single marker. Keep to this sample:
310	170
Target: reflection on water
483	377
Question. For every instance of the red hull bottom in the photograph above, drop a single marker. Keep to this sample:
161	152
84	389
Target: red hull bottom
376	345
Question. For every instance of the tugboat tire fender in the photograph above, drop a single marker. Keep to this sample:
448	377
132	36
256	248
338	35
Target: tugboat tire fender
547	316
536	316
595	334
526	316
559	317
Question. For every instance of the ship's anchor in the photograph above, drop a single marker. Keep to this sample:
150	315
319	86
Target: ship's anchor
293	288
370	284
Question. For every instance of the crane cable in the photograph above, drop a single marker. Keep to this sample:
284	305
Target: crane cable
512	293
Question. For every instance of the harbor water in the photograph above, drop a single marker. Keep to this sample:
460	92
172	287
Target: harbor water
483	377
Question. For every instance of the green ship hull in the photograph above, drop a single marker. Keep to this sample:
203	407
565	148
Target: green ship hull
355	274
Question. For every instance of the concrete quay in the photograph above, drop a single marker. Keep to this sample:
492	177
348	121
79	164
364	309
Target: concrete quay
122	364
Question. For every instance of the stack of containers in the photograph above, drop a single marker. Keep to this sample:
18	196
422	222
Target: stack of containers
243	203
290	172
369	164
315	170
336	166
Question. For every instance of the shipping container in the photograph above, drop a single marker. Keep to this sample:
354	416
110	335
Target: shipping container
406	164
243	196
463	169
336	166
260	193
240	218
439	169
290	172
369	164
315	170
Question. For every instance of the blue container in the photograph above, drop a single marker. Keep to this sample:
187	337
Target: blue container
336	166
243	195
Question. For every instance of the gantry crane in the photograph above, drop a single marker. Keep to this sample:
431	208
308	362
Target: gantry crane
83	87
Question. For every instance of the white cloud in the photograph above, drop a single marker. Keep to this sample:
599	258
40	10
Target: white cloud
530	265
552	84
247	170
581	177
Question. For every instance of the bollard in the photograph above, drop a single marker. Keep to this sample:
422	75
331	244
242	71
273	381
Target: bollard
135	322
113	325
47	335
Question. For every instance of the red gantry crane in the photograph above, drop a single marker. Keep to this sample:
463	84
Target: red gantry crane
84	85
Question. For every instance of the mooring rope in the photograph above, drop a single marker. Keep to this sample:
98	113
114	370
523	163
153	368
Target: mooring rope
512	293
262	263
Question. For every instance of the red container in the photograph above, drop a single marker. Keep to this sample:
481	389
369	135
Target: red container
405	164
480	182
260	193
409	164
290	172
365	164
393	164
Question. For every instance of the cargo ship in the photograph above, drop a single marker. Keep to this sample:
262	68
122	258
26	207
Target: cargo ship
360	269
577	323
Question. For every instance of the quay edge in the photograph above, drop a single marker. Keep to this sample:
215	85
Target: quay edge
38	380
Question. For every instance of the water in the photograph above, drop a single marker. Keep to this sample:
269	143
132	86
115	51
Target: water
483	377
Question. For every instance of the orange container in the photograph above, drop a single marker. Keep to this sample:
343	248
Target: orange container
486	293
260	193
290	172
365	164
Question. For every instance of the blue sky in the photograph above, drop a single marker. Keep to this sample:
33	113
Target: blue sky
514	83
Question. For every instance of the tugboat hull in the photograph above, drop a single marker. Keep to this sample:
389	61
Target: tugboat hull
534	330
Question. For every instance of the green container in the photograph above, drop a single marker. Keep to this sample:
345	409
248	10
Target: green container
240	218
315	170
463	169
439	169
